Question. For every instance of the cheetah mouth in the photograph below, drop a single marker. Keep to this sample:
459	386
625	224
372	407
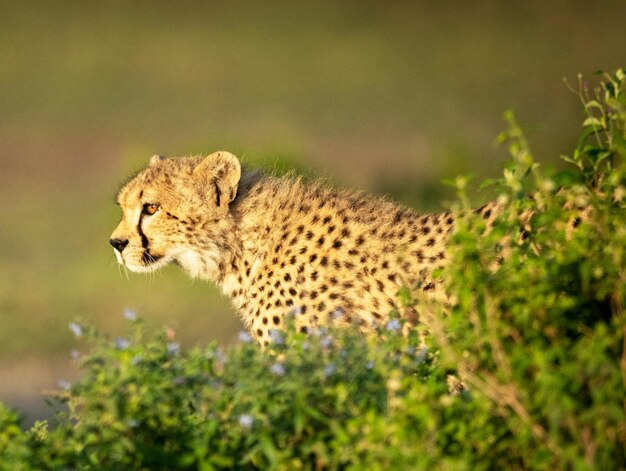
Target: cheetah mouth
149	258
146	262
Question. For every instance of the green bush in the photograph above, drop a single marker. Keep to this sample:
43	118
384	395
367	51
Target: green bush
537	327
535	331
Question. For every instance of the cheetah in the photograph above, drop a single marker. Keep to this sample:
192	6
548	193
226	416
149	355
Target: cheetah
278	245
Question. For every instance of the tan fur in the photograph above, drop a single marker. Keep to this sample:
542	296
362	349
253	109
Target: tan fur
277	245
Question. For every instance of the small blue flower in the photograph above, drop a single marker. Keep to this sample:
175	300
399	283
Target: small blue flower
369	365
329	370
326	342
65	385
76	329
136	359
321	331
296	311
278	369
130	315
173	348
393	325
276	337
421	355
220	356
133	423
245	337
246	420
122	343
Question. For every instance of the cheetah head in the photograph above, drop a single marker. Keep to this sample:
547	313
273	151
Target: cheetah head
177	210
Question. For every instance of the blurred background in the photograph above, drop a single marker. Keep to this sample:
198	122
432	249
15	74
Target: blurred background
391	97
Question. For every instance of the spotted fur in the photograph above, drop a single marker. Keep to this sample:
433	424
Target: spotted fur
276	245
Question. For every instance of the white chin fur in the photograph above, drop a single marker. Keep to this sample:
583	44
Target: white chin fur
198	264
120	260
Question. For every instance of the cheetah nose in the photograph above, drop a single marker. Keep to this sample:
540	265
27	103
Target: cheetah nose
118	244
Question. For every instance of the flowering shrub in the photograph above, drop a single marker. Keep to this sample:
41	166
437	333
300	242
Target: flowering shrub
525	369
145	405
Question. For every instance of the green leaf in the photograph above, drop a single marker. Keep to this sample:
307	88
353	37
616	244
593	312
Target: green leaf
594	104
596	123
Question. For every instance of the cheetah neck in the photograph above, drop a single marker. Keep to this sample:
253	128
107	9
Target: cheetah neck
200	262
252	236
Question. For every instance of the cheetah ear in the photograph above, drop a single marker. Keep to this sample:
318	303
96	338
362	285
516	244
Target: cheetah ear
156	158
221	169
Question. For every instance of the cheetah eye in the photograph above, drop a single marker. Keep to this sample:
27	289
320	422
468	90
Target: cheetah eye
150	208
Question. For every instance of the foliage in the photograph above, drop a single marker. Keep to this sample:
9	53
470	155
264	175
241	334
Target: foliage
538	328
535	330
145	404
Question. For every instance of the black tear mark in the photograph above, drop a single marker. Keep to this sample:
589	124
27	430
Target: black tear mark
144	240
147	258
218	193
